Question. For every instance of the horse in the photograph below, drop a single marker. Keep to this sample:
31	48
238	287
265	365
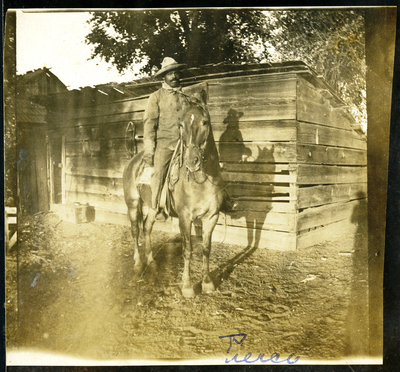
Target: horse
197	195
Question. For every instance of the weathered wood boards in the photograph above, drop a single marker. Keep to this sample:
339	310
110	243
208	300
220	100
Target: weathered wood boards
322	135
332	173
318	106
330	155
287	150
32	168
326	194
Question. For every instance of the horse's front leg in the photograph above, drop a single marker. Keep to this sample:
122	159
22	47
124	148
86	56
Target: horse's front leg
185	225
207	284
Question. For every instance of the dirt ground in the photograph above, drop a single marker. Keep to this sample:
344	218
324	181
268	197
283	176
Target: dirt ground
71	289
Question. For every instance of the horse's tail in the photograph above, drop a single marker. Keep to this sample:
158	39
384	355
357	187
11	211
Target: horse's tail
132	192
140	218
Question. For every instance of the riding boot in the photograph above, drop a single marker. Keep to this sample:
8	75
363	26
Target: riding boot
161	215
229	204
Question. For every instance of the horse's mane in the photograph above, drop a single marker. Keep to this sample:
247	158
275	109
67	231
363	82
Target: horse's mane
195	100
198	103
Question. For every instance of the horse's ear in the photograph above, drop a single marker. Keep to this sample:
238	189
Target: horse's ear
203	96
200	96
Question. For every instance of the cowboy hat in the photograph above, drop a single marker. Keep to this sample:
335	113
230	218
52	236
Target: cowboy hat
169	64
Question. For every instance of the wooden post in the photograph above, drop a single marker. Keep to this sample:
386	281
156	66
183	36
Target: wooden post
49	172
63	189
41	172
6	232
10	219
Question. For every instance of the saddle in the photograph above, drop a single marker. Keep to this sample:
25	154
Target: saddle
171	179
174	173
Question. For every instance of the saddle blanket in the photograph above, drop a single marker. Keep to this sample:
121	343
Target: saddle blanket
145	177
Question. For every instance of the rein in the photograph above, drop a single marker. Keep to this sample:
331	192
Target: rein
189	172
193	174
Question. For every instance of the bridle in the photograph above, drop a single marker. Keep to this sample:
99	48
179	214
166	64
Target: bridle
192	173
200	151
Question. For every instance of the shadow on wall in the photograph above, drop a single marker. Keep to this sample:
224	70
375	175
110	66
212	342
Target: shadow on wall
256	219
231	141
252	192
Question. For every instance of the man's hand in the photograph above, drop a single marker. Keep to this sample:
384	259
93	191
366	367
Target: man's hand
148	159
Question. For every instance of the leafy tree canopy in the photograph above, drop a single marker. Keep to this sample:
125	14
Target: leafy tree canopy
195	37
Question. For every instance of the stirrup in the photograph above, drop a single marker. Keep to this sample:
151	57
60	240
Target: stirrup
161	215
229	205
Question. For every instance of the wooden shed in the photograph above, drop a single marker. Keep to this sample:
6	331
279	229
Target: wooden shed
290	152
33	91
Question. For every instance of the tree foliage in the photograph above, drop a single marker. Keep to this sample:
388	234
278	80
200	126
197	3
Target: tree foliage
195	37
330	41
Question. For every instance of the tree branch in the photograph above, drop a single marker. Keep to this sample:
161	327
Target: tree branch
185	21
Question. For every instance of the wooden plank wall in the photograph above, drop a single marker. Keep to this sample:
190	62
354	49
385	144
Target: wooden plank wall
254	123
97	150
331	170
288	156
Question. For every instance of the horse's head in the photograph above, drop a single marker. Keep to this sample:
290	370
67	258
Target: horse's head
195	131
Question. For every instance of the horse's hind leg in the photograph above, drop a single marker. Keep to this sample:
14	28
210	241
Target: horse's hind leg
133	214
185	226
207	284
147	228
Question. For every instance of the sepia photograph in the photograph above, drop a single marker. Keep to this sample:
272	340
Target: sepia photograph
191	185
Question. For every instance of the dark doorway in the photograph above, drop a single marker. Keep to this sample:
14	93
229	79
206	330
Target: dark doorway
32	169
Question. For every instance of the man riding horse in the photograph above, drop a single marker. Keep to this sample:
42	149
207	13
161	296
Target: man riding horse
161	129
177	123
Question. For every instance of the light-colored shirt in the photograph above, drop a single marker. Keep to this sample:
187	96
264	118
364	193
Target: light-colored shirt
161	118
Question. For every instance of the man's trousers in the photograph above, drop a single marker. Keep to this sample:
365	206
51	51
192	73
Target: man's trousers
162	158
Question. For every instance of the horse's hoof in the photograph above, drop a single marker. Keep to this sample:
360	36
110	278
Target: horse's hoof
207	287
152	266
188	292
137	267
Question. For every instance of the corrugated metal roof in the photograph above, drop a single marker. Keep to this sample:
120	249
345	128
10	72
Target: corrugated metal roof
30	75
23	79
30	112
